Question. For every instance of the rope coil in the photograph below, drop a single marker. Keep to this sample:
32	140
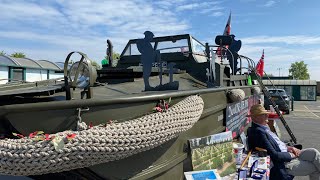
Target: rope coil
24	157
236	95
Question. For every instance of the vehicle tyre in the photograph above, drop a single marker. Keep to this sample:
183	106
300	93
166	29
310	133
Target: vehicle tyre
288	111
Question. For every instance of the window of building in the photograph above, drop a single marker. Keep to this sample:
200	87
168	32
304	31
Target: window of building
307	92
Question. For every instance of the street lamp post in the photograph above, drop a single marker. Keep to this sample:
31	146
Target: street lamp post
279	71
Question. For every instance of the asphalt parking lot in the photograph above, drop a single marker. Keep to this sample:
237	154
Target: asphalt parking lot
304	122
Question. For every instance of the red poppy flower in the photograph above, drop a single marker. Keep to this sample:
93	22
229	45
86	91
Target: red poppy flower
71	136
234	134
18	135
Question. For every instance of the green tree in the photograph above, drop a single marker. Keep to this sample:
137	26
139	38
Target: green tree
115	57
96	65
299	70
2	53
269	75
18	55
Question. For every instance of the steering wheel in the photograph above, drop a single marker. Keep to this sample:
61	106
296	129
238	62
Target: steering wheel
83	67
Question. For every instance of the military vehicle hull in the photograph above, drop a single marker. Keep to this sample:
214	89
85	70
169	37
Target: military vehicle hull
164	162
125	99
172	158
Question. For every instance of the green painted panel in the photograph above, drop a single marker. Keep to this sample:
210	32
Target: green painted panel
296	93
10	73
24	74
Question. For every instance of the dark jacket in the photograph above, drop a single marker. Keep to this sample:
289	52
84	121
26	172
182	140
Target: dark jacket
258	137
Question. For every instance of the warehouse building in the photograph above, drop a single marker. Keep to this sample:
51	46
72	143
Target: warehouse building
27	70
318	88
301	90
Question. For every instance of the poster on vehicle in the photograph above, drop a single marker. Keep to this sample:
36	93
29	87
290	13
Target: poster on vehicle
214	152
236	115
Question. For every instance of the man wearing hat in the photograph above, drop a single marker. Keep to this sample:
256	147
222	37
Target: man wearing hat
148	56
287	161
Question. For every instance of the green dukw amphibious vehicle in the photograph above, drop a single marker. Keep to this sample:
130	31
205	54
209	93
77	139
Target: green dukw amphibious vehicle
129	121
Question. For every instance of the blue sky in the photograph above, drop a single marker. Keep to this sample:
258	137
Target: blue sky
288	30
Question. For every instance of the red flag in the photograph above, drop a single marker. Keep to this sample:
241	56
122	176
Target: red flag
260	65
226	32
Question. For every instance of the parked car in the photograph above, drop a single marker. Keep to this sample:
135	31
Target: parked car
280	97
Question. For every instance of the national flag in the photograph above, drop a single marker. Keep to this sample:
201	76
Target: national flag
260	65
226	32
227	29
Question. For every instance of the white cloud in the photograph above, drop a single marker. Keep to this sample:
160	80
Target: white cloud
61	40
84	24
24	10
296	40
85	14
188	6
56	47
280	57
164	4
250	1
217	14
269	3
213	9
43	54
203	7
51	29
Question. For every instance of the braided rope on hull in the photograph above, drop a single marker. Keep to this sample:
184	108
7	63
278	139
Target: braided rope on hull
236	95
23	157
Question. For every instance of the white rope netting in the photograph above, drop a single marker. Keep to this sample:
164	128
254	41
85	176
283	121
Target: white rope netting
99	144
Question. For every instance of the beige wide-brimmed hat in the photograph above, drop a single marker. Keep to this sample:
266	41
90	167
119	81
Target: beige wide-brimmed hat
257	110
